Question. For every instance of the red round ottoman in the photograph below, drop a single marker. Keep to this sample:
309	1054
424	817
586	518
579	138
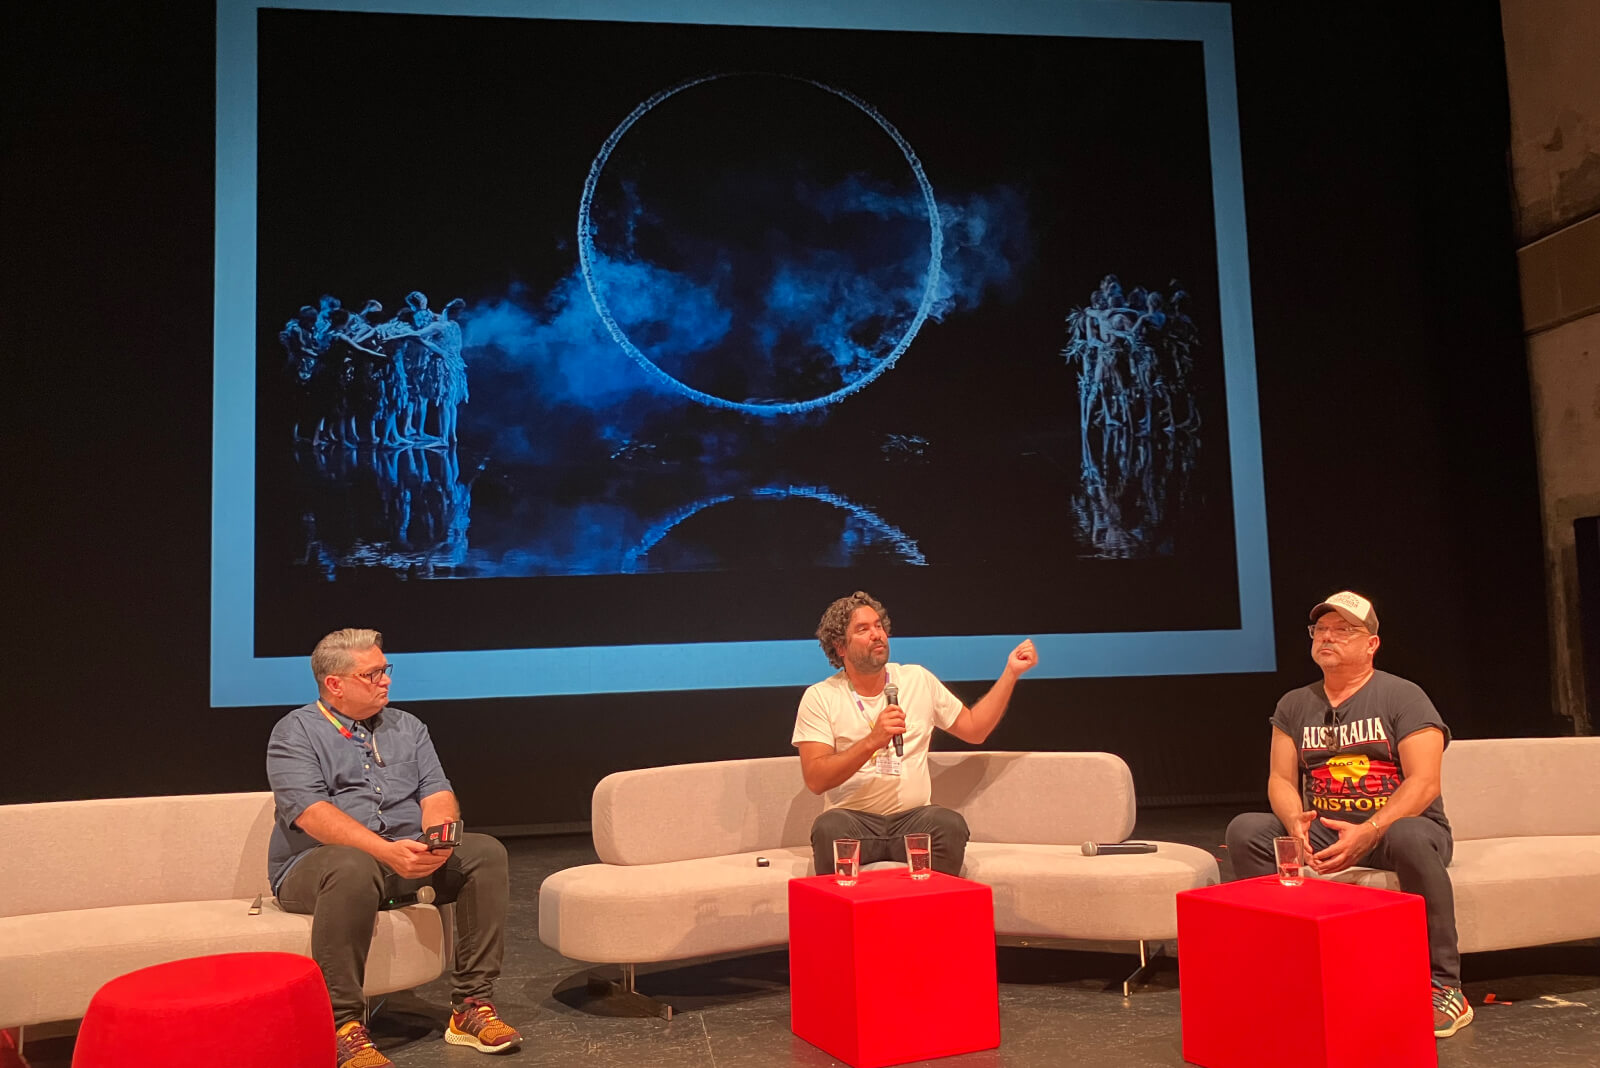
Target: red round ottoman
248	1010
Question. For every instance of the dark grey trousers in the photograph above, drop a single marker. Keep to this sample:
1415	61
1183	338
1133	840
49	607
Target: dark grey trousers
342	889
883	837
1415	848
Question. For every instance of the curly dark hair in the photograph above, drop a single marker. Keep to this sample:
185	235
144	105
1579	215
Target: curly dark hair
836	622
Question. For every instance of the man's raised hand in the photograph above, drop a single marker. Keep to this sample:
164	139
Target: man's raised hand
1022	658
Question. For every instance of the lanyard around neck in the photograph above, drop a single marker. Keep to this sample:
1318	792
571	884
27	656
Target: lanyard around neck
860	705
348	733
887	682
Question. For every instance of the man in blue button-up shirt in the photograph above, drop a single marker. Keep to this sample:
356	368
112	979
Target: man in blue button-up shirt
355	782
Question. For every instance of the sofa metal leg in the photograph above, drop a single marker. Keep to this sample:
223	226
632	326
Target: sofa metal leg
1146	957
12	1041
624	991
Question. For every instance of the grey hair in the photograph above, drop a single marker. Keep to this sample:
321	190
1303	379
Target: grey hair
835	622
335	653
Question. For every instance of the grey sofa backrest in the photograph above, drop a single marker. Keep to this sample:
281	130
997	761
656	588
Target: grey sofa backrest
1037	798
711	809
690	811
1515	787
136	850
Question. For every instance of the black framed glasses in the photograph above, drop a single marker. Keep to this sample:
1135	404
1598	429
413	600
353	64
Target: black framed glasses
372	677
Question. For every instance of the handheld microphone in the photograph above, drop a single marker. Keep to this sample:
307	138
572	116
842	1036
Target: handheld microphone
891	696
1113	849
422	895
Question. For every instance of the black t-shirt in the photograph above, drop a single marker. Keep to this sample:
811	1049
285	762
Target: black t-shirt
1350	755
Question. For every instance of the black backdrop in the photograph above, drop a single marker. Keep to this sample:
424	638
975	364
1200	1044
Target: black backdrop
1395	421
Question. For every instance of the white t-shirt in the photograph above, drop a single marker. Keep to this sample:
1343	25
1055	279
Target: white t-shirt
831	712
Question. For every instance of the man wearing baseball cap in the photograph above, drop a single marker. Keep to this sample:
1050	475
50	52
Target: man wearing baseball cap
1355	777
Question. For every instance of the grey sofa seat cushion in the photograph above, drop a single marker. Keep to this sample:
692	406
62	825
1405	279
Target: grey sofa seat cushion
1525	814
1057	892
55	961
640	913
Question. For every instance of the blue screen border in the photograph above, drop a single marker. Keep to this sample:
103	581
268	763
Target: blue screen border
240	678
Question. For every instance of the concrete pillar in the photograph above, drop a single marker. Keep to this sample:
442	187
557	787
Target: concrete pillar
1553	75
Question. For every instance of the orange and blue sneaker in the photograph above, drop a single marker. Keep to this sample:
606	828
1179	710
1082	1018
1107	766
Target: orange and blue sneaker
356	1049
1450	1011
478	1026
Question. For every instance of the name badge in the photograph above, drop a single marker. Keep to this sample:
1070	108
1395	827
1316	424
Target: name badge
886	763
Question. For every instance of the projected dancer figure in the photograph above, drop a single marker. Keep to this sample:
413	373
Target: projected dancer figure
305	369
362	372
1133	358
354	784
453	388
444	378
326	306
1134	351
1182	340
1354	776
845	728
390	373
1092	347
417	358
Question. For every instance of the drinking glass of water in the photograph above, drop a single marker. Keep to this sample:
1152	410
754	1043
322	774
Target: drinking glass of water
1290	860
846	860
919	855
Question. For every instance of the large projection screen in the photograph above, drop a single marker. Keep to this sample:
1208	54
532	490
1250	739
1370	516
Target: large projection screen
595	347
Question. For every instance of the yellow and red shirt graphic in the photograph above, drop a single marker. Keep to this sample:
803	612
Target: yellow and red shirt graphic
1352	767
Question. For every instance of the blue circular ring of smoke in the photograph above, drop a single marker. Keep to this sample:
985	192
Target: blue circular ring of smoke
587	254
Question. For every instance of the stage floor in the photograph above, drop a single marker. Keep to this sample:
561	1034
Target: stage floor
1058	1004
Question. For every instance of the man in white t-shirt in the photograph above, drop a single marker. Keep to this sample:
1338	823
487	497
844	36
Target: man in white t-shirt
845	731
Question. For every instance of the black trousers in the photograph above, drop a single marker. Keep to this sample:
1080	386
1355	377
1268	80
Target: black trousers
1415	848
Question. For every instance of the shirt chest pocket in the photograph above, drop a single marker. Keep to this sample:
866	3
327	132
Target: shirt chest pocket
399	778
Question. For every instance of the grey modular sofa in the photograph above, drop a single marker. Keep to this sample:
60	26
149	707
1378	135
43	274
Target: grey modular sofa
1525	813
678	877
102	888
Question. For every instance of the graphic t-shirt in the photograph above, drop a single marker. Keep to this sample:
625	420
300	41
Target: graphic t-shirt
1350	755
834	714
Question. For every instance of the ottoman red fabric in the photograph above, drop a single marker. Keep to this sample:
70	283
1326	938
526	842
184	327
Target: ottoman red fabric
892	969
246	1010
1320	975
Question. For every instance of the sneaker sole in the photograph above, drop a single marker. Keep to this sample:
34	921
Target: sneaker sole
1455	1025
460	1039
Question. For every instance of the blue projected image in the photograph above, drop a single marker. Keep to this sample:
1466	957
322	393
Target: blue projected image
704	340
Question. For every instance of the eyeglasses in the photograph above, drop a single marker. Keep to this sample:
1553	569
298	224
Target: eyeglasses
375	674
1335	634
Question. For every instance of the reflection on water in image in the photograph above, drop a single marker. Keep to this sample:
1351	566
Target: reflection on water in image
408	511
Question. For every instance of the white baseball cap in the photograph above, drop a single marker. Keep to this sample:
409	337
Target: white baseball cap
1355	608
